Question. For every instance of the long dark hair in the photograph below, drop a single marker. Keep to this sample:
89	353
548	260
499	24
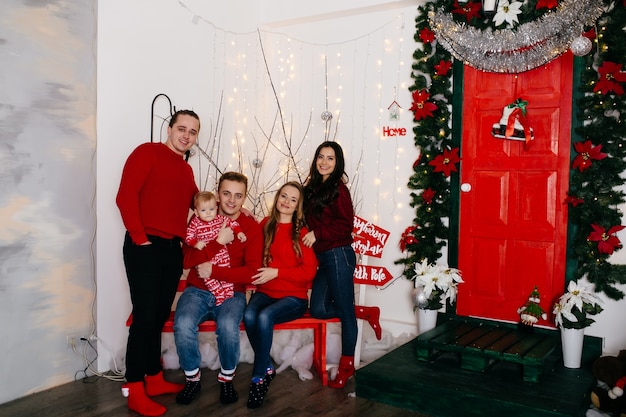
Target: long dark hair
318	193
297	220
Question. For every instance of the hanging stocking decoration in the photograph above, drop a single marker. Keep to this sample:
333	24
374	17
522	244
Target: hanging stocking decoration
513	124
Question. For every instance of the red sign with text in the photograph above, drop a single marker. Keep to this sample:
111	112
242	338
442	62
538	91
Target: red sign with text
371	275
369	239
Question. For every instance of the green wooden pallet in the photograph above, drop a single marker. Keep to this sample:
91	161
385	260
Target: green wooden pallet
481	343
432	375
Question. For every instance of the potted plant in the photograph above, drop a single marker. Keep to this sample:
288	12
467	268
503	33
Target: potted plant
434	285
571	314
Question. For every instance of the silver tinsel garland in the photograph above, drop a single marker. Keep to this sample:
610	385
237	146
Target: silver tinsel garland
526	47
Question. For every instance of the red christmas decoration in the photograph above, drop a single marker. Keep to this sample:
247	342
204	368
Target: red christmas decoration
446	162
428	195
573	200
587	152
607	241
549	4
611	76
417	161
470	10
591	33
443	67
421	107
427	35
407	238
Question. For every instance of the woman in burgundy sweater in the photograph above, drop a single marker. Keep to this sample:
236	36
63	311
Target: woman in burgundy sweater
282	283
330	217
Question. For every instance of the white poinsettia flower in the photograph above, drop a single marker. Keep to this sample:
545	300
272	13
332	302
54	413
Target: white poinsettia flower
558	317
429	284
422	268
451	293
507	12
437	280
577	295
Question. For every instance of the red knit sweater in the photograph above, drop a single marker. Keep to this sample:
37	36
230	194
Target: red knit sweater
245	258
156	193
295	274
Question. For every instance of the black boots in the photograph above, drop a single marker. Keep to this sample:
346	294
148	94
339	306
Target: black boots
228	395
258	389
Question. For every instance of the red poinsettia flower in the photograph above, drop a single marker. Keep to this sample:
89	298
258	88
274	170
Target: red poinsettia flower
407	238
470	10
549	4
428	195
611	76
591	33
573	200
607	241
421	107
417	161
446	162
443	67
427	35
586	153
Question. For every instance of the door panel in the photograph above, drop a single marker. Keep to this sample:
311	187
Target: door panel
513	221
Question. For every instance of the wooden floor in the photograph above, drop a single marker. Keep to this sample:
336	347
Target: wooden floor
288	396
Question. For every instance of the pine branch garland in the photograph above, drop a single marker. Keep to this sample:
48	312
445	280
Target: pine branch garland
597	186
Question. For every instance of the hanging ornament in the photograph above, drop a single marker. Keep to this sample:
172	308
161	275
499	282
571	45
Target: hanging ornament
419	297
257	163
581	46
394	111
513	123
327	116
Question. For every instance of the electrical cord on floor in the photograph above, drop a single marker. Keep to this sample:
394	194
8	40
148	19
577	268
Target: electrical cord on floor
90	370
88	348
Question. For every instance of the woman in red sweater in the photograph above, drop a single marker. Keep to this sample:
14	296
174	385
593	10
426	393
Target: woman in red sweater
282	283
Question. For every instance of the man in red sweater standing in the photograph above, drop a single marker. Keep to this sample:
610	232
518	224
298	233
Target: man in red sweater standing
197	303
154	199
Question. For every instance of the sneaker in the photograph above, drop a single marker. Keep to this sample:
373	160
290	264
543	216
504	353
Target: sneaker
228	395
257	393
191	391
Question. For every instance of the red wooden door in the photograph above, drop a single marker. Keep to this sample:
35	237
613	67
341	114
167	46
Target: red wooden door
513	220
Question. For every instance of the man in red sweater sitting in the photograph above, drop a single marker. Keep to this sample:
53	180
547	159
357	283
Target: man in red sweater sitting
197	303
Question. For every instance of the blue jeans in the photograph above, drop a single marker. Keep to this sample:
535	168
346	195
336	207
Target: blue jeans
196	305
333	293
259	318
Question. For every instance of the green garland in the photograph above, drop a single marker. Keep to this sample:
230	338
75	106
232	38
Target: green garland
594	196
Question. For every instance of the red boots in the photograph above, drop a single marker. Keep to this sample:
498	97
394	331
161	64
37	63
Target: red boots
157	385
138	394
345	371
372	315
139	402
346	363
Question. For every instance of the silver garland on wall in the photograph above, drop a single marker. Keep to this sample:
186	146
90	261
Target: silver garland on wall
526	47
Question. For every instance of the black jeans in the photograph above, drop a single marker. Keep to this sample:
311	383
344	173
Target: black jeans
153	272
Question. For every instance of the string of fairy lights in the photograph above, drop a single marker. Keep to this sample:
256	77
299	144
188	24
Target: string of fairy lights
269	91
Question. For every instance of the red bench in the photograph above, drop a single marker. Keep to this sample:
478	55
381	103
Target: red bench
305	322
